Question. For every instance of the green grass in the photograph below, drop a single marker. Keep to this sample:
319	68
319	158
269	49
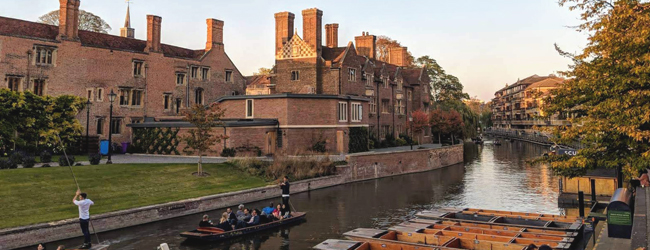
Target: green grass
31	196
55	158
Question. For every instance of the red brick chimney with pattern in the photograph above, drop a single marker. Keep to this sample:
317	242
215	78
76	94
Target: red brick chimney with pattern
283	29
366	45
398	56
312	28
215	34
69	19
153	33
332	35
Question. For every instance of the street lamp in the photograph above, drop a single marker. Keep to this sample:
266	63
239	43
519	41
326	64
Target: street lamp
88	103
411	123
111	97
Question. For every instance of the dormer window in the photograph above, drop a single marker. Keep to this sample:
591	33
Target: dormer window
386	83
352	75
399	84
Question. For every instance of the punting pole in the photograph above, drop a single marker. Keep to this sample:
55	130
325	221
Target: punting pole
77	183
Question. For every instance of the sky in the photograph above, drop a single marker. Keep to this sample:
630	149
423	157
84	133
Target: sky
486	44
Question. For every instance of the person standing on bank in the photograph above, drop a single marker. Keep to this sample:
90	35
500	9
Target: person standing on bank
84	215
285	191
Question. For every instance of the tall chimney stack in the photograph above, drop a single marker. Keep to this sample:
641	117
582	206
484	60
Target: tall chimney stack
69	19
366	45
332	35
215	34
153	33
398	56
283	29
312	28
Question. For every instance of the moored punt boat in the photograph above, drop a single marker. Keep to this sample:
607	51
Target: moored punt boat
440	224
414	238
214	234
505	218
358	245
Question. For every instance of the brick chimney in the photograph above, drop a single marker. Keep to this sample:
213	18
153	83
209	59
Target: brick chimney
215	34
366	45
312	28
69	19
332	35
398	56
283	29
153	33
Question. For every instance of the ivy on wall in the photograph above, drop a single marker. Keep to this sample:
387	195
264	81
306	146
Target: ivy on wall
155	141
358	139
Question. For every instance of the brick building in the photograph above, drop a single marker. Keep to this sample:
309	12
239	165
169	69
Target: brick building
519	105
151	79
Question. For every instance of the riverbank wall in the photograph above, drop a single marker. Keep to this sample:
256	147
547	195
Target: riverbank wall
361	166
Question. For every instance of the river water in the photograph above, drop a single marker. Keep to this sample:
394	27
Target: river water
492	177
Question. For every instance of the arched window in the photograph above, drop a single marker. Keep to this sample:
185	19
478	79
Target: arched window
198	96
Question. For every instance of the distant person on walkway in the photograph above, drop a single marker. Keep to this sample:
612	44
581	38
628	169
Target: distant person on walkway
84	215
240	212
285	190
205	222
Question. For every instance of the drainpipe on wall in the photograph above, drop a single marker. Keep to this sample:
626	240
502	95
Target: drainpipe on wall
406	107
392	98
187	92
146	91
377	110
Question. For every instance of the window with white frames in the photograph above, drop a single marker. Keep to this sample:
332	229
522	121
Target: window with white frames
352	76
343	111
250	109
356	110
373	106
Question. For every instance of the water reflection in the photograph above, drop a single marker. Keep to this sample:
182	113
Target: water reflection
492	177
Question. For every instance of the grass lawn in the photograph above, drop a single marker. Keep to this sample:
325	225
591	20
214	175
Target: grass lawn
36	195
55	158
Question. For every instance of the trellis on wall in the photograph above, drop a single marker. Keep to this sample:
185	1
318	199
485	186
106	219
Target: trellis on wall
155	141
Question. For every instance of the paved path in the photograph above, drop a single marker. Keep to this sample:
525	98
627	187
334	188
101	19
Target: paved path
405	148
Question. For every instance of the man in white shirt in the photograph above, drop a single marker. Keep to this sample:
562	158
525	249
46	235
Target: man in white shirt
84	216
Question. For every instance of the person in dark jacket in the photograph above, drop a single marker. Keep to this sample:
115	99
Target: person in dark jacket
206	222
255	218
232	218
224	223
285	190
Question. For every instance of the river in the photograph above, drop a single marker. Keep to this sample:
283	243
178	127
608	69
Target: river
492	177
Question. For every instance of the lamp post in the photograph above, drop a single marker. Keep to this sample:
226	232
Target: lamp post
111	97
88	103
411	125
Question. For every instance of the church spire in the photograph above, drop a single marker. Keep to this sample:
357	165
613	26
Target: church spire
127	31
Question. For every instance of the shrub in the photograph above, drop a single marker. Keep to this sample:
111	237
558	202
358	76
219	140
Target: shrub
252	166
320	146
117	148
300	168
29	162
249	150
46	157
17	157
94	159
12	165
401	142
407	138
45	165
358	140
4	164
228	152
63	162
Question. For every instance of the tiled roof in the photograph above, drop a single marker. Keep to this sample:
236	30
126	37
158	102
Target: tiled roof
546	83
258	80
21	28
333	54
412	76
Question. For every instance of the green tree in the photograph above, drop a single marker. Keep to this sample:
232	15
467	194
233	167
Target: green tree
263	71
87	21
201	138
607	90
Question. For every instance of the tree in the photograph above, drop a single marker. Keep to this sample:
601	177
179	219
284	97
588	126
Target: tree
454	124
263	71
420	123
383	46
607	90
201	138
87	21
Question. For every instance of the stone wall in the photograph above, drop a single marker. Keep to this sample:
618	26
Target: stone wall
361	166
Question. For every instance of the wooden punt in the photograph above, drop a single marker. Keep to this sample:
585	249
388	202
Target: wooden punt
441	224
414	238
359	245
215	234
506	218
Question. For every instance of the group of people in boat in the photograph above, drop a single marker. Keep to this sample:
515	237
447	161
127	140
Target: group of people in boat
246	217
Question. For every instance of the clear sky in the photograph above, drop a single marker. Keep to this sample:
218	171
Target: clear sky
486	44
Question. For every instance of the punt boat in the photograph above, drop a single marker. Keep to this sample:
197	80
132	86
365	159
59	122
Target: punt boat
506	218
456	239
359	245
216	234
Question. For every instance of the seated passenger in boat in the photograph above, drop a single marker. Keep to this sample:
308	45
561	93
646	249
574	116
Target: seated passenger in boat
232	218
206	221
61	247
286	212
247	215
240	213
277	213
268	210
255	219
224	223
545	247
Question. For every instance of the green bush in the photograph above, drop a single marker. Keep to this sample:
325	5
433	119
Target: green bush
320	146
94	159
4	164
63	162
12	165
358	140
46	157
29	162
407	138
17	157
401	142
249	150
228	152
